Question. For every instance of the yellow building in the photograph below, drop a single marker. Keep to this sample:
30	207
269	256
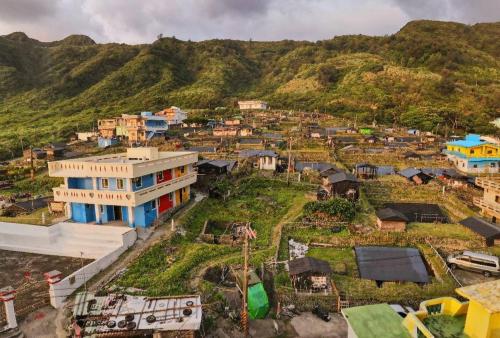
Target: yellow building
474	155
477	318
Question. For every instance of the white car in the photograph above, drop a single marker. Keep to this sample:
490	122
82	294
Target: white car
486	264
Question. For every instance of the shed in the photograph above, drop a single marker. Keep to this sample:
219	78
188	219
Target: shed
419	212
490	232
390	264
415	175
28	206
342	184
366	170
391	220
215	167
309	272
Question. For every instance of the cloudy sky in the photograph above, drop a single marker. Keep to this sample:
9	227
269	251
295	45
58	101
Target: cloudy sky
138	21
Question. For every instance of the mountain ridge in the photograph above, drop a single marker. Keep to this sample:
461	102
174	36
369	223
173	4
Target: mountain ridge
428	74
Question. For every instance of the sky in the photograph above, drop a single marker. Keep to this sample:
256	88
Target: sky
141	21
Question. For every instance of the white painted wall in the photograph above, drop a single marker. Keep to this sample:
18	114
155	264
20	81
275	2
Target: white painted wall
104	244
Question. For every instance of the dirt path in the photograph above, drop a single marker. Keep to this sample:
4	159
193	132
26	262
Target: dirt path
290	216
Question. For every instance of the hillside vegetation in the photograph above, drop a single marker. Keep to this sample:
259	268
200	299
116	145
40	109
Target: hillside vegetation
428	75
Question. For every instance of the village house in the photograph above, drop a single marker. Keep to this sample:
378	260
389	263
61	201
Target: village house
134	188
134	128
215	167
254	104
245	131
55	151
391	220
225	131
26	207
478	317
490	232
261	159
414	175
309	274
490	202
341	184
35	153
232	122
474	155
173	115
86	136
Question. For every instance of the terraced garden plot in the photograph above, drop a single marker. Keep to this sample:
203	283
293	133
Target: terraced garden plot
171	266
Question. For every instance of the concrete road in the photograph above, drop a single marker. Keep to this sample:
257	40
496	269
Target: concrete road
308	325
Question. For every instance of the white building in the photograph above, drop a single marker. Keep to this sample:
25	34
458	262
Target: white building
174	115
254	104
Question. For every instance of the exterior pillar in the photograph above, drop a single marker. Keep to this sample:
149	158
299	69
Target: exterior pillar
69	214
7	296
94	183
53	278
98	216
131	218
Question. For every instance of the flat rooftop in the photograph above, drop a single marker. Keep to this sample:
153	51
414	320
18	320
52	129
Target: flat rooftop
125	159
377	320
487	294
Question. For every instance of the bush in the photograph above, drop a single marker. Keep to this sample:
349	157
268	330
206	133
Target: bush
339	208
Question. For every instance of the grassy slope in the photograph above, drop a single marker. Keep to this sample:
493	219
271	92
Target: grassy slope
433	69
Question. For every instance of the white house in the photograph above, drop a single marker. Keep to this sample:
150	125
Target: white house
254	104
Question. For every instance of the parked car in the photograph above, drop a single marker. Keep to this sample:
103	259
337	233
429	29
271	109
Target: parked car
321	313
478	262
403	311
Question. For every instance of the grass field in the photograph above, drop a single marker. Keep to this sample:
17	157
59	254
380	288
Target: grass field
169	267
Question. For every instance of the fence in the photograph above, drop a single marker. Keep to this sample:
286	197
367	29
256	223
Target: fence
444	264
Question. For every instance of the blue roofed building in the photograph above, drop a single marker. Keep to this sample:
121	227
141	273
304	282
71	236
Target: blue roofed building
473	155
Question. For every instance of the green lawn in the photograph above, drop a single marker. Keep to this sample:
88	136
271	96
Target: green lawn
440	230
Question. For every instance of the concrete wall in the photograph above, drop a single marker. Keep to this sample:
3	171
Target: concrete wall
104	244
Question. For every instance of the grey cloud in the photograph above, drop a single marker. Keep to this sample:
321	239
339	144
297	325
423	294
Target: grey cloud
23	10
139	21
218	8
467	11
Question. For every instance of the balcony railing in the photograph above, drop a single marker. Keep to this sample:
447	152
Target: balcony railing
488	182
122	198
487	207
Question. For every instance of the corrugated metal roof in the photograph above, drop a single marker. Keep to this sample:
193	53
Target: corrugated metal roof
391	264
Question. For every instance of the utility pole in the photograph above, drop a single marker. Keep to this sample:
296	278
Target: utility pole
244	311
289	160
32	165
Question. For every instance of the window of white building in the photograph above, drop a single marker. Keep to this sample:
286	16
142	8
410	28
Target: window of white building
104	183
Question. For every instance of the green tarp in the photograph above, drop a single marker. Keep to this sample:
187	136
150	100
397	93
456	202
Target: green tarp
258	303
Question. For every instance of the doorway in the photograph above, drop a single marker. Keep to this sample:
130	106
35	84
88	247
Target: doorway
117	211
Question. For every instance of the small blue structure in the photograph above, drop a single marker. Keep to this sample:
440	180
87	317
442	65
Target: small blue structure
103	142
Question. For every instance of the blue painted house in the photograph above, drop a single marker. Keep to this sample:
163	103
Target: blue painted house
134	188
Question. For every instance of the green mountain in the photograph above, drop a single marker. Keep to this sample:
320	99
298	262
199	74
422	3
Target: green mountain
429	75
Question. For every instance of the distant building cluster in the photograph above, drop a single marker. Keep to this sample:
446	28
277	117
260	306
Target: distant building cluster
138	128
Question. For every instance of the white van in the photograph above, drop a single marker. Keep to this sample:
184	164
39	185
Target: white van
473	261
